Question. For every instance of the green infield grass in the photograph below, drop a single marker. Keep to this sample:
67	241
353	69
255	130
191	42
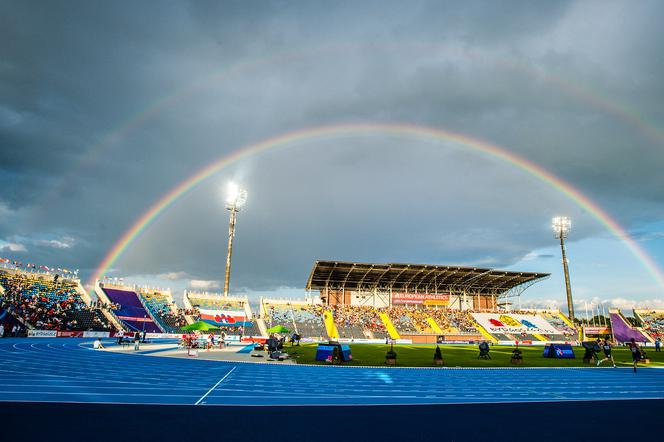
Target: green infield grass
413	355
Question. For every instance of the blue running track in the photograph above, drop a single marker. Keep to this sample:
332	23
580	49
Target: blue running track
59	389
67	370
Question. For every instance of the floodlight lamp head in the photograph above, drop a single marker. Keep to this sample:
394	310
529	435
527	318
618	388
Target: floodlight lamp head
235	197
561	226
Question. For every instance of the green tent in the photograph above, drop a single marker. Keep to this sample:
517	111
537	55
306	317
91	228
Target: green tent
278	329
200	325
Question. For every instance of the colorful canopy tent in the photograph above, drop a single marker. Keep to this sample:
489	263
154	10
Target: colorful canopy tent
278	329
200	325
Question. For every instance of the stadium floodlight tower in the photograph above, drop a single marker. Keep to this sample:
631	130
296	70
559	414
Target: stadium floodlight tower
561	227
235	200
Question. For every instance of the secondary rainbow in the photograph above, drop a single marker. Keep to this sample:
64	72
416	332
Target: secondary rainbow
368	129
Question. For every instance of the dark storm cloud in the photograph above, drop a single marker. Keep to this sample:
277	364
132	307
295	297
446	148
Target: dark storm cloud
86	146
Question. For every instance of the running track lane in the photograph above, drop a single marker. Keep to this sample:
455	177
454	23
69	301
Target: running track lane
67	370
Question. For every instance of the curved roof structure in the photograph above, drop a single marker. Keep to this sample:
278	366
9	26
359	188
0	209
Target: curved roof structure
424	278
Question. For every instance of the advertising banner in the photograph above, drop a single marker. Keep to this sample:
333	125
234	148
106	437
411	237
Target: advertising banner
42	333
225	318
597	330
421	298
134	318
514	324
70	334
162	335
96	334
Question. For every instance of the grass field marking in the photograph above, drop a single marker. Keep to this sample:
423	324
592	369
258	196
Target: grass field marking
215	385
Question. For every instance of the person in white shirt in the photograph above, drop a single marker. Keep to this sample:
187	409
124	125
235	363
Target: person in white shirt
2	331
97	344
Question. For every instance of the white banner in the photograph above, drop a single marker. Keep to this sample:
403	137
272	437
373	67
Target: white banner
96	334
162	335
514	324
42	333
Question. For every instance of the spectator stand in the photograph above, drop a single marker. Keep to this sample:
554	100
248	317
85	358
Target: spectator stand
384	286
358	321
42	300
651	322
557	320
623	331
106	305
301	316
127	307
161	307
234	306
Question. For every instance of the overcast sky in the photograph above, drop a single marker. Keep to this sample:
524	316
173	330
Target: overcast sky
106	106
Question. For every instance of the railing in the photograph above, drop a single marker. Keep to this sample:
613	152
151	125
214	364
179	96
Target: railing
156	320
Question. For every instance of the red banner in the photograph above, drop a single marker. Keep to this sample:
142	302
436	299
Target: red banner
134	318
421	298
70	334
597	330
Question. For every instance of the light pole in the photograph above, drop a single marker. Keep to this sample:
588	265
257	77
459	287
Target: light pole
235	199
561	227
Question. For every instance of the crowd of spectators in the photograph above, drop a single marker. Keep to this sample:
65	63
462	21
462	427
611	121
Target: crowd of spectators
364	317
45	303
401	318
560	325
97	304
175	319
406	319
653	323
164	310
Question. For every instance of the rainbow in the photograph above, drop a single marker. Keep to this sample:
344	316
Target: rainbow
368	129
568	86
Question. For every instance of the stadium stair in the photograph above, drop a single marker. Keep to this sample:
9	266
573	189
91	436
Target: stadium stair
157	320
331	328
565	319
638	317
391	330
436	329
540	337
483	332
260	322
85	296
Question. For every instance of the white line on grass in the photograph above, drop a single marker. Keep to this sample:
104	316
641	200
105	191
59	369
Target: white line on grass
215	385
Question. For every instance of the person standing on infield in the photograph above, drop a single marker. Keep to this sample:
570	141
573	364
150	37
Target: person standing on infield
636	352
606	346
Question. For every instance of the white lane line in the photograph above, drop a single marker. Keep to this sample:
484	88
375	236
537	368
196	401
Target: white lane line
215	385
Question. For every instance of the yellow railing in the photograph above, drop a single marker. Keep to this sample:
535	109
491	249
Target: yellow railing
331	328
387	322
434	326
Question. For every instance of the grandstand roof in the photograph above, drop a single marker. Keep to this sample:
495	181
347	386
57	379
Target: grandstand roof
423	278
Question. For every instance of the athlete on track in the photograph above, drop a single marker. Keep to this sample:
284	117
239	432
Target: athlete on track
606	346
636	352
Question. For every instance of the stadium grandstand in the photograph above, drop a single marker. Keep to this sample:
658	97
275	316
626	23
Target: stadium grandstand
651	322
623	331
127	307
232	314
430	303
355	301
162	308
48	301
303	317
